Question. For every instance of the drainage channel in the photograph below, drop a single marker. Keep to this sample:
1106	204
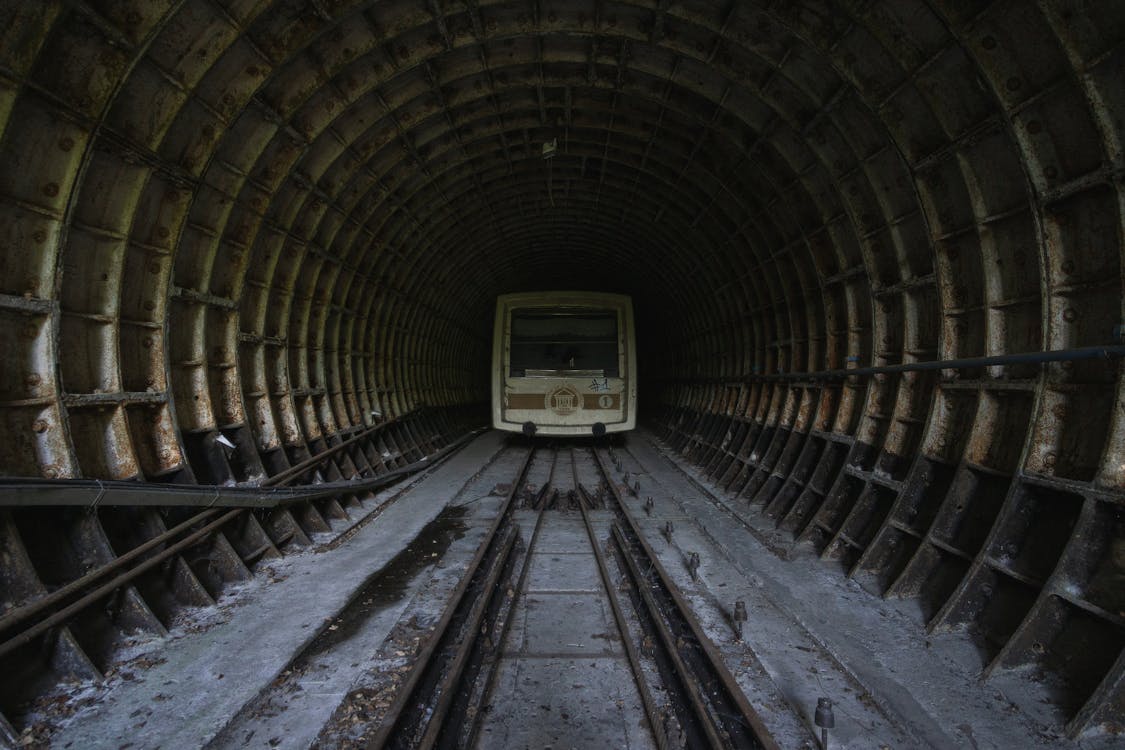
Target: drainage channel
303	696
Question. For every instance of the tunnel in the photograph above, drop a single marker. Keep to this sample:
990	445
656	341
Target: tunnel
252	247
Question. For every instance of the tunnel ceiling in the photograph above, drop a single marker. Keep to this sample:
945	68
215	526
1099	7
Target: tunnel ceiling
286	214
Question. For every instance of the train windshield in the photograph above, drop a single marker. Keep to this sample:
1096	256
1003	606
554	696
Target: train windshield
548	342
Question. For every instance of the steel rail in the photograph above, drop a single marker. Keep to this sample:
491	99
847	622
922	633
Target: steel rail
747	714
446	689
1107	351
651	711
690	687
506	627
397	712
436	723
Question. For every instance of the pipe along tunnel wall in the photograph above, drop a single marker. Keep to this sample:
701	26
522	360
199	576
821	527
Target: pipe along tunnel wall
282	222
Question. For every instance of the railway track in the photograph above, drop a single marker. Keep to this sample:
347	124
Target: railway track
563	548
533	601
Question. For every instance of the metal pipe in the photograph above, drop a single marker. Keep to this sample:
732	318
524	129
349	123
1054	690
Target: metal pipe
298	469
74	608
19	615
1057	355
93	492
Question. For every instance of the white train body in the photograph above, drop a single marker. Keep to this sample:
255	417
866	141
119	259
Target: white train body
563	363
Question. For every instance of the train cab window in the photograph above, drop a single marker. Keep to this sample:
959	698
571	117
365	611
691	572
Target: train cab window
553	342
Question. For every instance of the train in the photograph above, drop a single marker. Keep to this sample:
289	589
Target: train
564	364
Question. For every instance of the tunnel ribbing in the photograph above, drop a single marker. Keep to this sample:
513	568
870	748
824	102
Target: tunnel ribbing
277	218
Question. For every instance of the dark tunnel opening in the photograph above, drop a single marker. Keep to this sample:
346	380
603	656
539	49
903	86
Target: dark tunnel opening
259	244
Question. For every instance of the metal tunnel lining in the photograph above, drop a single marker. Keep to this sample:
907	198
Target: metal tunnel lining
276	220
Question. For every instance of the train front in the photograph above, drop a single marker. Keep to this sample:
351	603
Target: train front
564	364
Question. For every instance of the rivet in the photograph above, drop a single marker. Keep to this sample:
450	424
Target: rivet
40	426
1070	315
51	189
66	144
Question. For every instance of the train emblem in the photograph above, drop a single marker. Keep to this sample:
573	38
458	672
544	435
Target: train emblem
563	401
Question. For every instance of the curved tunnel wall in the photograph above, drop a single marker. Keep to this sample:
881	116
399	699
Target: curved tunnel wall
288	220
